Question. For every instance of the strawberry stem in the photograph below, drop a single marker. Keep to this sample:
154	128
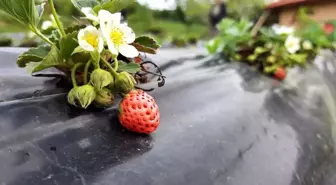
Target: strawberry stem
86	71
114	73
73	74
116	64
57	20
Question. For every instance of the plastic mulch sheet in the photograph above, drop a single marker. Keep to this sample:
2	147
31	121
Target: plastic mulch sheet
221	123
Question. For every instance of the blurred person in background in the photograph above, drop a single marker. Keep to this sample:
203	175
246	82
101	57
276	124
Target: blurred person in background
217	13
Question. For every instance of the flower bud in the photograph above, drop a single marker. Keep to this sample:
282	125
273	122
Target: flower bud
82	96
307	45
101	78
104	98
271	59
259	50
72	96
124	82
252	58
269	45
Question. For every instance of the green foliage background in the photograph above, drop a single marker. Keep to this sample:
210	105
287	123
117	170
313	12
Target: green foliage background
188	21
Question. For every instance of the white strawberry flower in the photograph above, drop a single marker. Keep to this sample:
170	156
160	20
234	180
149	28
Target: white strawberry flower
31	35
90	14
292	44
46	25
49	23
307	45
282	30
118	36
90	39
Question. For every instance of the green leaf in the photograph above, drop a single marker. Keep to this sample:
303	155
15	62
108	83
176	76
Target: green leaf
23	11
144	49
79	4
55	36
79	49
33	55
146	44
53	59
300	59
128	67
40	10
114	6
213	45
73	28
31	66
68	45
225	24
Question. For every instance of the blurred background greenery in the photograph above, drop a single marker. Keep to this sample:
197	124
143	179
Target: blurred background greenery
186	23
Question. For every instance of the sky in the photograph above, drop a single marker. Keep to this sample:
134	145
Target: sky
159	4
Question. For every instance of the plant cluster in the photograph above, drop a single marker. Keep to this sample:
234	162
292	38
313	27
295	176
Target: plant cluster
275	48
88	54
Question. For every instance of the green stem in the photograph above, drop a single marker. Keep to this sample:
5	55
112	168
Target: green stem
116	64
73	74
58	22
86	71
38	33
114	73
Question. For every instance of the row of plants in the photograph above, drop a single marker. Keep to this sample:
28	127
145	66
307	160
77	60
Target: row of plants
100	57
274	49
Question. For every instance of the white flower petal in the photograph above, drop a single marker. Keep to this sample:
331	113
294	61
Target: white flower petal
31	34
46	25
106	23
85	44
104	16
292	44
112	47
90	14
92	30
280	30
116	18
128	51
81	34
101	45
128	34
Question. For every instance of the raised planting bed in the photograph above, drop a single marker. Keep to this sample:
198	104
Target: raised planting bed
273	50
81	118
221	123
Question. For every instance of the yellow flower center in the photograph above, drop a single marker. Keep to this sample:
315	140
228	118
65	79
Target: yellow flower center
92	39
117	36
291	44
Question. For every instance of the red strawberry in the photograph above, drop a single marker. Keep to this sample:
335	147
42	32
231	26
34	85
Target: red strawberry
328	28
280	73
138	112
138	60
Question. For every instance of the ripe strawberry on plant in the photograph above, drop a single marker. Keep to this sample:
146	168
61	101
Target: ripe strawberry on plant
328	28
139	112
280	73
138	60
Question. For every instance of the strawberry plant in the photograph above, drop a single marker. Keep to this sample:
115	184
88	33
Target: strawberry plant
273	49
232	37
101	58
